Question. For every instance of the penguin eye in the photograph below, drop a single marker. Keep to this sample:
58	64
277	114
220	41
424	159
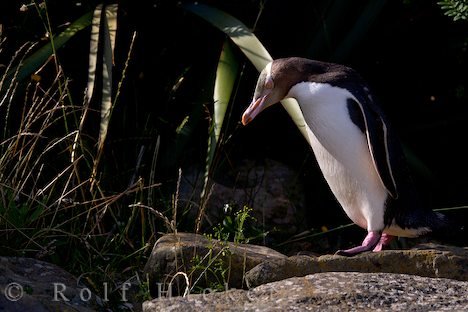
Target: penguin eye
269	83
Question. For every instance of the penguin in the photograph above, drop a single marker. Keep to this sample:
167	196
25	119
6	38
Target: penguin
355	147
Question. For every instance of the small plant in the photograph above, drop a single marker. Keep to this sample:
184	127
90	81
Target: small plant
457	9
144	290
238	225
213	268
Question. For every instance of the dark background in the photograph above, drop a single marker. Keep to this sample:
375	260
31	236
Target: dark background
414	58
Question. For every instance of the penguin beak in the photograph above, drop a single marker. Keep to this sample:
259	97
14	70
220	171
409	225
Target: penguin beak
253	110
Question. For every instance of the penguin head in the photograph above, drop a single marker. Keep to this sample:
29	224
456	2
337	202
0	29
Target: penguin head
274	83
266	94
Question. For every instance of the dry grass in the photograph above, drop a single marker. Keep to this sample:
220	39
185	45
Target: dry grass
48	207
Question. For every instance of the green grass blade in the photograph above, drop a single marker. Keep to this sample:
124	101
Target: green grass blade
249	44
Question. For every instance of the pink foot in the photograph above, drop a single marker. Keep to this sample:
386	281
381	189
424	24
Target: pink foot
385	239
372	240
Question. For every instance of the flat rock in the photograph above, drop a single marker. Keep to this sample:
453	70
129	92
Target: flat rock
427	260
28	285
174	253
332	291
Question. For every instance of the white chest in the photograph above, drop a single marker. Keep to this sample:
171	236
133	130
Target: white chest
342	152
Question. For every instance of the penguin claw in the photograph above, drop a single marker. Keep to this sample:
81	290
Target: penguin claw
353	251
343	253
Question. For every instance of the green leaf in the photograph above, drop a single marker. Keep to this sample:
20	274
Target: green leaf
236	30
109	23
457	9
35	214
110	29
93	50
253	49
226	74
33	62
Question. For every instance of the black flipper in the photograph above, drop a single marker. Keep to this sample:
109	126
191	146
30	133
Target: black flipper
380	144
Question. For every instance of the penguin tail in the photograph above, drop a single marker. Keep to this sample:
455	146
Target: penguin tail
446	230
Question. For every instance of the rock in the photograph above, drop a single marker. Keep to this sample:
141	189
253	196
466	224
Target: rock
270	188
428	260
332	291
174	253
28	285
